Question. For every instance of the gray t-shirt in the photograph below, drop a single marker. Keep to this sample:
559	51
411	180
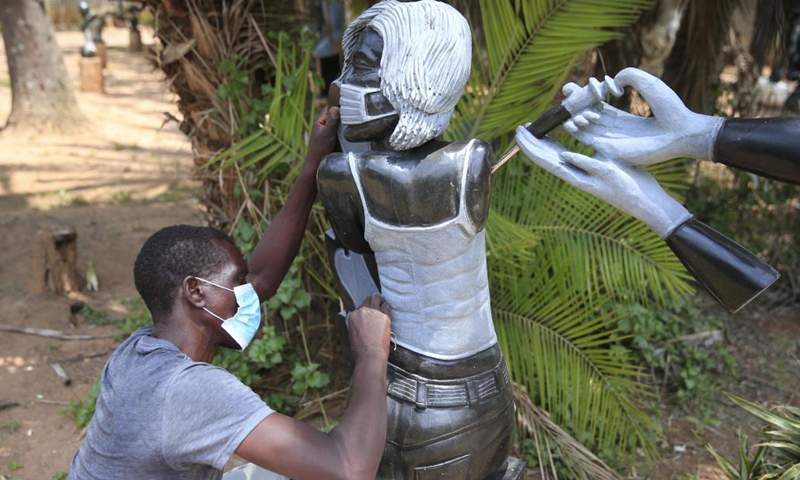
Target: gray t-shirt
161	415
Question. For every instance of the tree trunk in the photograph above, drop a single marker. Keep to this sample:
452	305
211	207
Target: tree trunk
41	95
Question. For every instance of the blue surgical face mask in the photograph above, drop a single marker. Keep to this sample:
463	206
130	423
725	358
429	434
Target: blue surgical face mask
243	326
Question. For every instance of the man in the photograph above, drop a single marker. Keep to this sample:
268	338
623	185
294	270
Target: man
164	413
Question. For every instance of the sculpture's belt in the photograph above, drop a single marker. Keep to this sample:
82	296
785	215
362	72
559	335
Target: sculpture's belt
424	392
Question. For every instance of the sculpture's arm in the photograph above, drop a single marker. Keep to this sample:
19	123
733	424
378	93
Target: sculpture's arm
479	182
732	274
340	197
763	146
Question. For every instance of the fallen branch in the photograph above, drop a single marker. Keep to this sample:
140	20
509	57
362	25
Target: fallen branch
61	373
46	332
84	357
51	402
4	405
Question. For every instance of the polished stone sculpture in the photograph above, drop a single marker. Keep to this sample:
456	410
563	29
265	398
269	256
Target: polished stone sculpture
625	142
416	208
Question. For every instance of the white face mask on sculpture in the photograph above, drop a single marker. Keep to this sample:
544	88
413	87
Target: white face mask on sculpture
424	67
353	104
243	326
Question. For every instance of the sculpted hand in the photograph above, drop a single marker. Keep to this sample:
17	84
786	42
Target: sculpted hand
674	130
323	135
370	329
627	187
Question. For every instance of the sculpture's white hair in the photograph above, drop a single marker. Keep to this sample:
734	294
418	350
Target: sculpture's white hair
427	50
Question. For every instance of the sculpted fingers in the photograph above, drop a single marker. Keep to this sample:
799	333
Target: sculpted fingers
662	99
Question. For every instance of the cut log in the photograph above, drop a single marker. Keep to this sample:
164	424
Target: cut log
92	75
55	257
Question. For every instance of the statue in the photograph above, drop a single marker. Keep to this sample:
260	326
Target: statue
624	142
92	27
419	206
408	213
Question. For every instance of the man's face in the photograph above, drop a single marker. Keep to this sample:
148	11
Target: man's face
363	70
223	302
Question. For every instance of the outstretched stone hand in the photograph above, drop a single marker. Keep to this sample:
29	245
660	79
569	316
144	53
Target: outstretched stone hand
627	187
674	130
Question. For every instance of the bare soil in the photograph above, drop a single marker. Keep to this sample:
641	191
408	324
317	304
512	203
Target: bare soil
123	179
129	175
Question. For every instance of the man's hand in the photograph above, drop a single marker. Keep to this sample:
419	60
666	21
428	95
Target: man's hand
674	131
370	329
627	187
323	135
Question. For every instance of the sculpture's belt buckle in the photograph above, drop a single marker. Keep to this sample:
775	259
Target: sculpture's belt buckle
422	395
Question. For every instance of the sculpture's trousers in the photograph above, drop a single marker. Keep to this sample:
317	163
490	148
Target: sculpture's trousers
447	419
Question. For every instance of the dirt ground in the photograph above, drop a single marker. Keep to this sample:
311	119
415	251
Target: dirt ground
124	179
130	176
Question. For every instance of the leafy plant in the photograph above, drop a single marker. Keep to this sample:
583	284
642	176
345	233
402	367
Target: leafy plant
59	476
307	376
82	410
11	426
682	350
777	456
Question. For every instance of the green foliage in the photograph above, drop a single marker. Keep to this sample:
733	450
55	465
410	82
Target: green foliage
291	298
307	376
777	456
10	426
14	466
94	316
251	109
83	410
681	348
264	352
59	476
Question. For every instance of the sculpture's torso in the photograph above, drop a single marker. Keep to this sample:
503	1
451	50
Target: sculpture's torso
434	276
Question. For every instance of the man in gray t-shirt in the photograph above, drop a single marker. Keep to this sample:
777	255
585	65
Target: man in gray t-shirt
165	413
162	415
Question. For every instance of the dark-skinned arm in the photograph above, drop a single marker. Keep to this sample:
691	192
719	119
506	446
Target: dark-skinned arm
278	246
352	450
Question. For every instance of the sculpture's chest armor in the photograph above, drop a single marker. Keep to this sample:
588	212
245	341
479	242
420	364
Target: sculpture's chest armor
433	277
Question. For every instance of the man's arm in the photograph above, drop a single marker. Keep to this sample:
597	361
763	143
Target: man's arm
278	246
353	449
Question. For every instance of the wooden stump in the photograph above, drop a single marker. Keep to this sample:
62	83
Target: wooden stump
92	75
135	42
102	53
55	257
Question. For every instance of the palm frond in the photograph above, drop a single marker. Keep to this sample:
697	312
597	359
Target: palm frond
551	442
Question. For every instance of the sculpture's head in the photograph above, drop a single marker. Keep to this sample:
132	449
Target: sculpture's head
83	7
405	68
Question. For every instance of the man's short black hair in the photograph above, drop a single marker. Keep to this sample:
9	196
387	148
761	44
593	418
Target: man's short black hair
170	255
